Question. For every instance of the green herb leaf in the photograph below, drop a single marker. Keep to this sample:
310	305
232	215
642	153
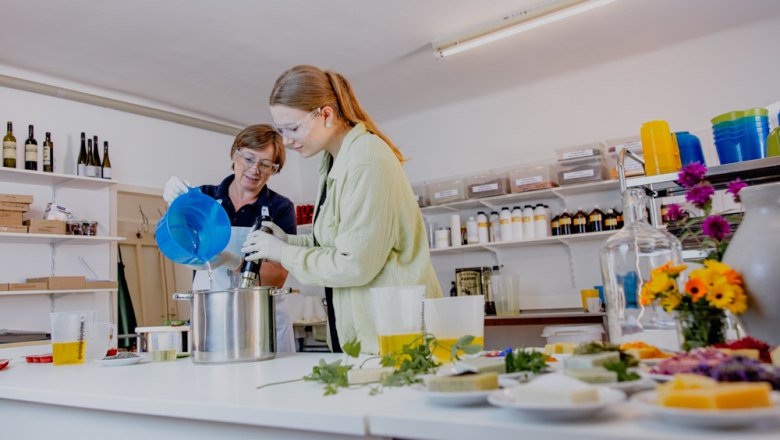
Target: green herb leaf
352	348
621	368
523	360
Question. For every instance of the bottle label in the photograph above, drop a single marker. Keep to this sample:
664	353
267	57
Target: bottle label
445	194
31	153
81	169
578	153
528	219
9	150
540	218
46	156
528	180
483	188
554	224
578	174
595	218
517	219
564	222
579	221
505	221
92	171
106	173
611	222
482	225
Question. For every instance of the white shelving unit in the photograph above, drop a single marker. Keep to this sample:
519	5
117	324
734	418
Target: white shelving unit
493	247
21	238
55	180
54	292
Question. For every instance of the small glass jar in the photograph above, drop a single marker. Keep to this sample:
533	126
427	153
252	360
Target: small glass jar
73	227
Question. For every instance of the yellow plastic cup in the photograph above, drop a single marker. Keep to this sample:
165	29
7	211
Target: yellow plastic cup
585	294
659	147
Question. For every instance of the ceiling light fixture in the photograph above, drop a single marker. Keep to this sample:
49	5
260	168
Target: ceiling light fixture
520	21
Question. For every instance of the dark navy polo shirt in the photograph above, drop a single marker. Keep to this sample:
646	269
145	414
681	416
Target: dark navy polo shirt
280	207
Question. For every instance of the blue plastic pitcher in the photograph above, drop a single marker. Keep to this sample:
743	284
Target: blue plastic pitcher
194	230
690	148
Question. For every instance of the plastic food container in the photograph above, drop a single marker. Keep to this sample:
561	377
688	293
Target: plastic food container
533	178
632	167
573	333
447	191
595	149
486	185
40	358
589	169
421	194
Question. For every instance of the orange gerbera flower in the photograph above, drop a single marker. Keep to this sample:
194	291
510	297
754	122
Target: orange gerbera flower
696	288
733	277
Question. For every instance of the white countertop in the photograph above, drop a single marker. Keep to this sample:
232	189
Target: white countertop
227	393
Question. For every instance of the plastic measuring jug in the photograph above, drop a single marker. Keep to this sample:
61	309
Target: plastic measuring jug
398	313
69	336
194	229
449	319
659	148
164	345
101	338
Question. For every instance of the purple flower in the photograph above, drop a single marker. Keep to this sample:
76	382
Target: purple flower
716	227
691	175
735	186
674	212
700	195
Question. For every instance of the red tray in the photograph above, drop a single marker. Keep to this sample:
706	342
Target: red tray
40	358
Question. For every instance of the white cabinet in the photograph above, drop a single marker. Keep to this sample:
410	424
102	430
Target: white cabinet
25	256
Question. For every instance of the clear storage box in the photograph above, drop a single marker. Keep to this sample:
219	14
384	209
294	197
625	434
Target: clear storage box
487	185
421	194
588	169
446	191
595	149
631	143
533	178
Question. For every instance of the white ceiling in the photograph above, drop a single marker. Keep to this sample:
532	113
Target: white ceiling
219	59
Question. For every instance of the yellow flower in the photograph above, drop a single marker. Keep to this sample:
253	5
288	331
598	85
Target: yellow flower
660	283
717	266
671	301
646	297
668	269
696	288
676	270
739	305
733	277
722	295
703	275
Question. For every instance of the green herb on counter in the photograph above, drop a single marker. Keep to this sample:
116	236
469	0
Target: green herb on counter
522	360
621	368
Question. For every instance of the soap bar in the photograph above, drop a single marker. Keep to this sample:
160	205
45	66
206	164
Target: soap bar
722	396
554	389
592	375
481	365
560	348
368	375
464	382
591	360
750	353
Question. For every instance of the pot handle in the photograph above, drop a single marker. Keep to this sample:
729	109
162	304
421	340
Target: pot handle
287	291
182	296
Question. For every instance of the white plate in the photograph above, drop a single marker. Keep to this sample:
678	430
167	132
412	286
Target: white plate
657	377
702	418
607	397
631	386
465	398
118	362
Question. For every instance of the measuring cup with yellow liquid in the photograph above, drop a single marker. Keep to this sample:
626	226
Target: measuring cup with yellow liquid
398	315
449	319
69	336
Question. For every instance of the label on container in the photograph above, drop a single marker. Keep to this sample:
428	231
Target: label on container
528	180
540	218
9	150
517	219
81	169
578	174
46	156
579	221
485	187
578	153
445	194
31	153
92	171
593	218
106	173
634	146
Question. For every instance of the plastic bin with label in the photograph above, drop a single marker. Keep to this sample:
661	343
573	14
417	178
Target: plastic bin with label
446	191
573	333
533	178
595	149
487	185
632	167
421	194
585	170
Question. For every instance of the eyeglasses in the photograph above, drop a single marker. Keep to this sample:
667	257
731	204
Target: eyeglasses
264	165
297	130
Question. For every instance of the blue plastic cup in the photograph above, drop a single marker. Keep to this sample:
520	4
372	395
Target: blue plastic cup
729	151
194	230
690	148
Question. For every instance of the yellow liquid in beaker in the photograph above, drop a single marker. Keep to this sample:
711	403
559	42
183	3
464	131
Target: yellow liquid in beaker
164	355
443	349
395	343
66	353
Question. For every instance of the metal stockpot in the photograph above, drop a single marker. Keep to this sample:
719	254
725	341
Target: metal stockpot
233	325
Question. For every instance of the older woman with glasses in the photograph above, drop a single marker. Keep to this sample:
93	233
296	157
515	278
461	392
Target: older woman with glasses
257	154
368	230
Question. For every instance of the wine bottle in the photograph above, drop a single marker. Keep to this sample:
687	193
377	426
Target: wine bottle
250	270
92	170
31	152
81	163
96	155
9	147
48	154
106	166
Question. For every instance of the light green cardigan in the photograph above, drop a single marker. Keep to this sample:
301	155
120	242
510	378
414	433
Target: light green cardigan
370	232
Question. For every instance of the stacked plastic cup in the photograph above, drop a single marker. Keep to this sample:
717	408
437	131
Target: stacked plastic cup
741	135
773	140
690	148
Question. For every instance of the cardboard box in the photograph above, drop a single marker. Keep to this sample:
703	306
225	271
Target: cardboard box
16	198
38	226
28	286
3	287
60	282
101	284
10	218
15	229
13	206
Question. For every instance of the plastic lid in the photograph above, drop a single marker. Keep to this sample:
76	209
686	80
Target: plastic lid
730	116
556	330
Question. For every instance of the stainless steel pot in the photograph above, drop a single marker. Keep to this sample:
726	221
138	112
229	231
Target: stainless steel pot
233	325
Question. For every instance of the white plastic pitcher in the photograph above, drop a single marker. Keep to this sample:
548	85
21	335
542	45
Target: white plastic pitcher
398	314
449	319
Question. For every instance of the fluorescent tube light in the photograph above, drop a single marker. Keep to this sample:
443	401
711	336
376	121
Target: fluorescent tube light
512	24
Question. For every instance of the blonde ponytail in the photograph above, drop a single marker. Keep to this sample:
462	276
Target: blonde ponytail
308	87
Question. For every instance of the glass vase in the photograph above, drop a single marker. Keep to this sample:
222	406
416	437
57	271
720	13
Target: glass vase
627	259
702	327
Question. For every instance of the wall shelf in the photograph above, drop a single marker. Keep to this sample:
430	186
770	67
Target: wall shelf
18	238
563	239
54	292
16	175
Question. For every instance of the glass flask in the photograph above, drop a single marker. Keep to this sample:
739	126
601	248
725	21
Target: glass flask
627	259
